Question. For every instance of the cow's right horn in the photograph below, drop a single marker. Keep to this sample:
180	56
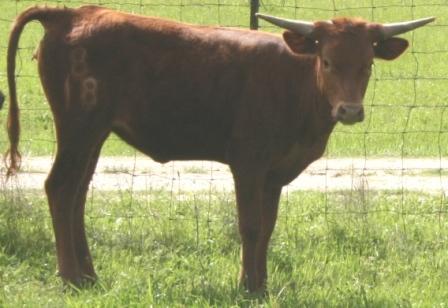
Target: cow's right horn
297	26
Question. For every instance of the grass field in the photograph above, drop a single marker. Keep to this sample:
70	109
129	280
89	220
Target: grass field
405	103
329	250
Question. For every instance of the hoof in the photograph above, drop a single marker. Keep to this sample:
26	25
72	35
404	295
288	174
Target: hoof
259	291
78	282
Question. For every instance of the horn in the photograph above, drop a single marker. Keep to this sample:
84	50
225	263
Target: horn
393	29
297	26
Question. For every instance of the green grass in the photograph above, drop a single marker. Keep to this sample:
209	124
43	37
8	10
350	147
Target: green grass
342	249
406	102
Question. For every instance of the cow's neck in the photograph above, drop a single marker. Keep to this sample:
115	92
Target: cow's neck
315	109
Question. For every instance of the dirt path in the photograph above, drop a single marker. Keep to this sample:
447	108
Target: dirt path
141	173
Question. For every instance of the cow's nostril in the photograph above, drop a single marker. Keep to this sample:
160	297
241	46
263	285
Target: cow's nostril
350	110
350	113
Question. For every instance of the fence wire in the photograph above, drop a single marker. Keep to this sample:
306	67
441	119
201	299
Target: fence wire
399	151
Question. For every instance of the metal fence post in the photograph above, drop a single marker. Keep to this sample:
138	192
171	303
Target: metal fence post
254	6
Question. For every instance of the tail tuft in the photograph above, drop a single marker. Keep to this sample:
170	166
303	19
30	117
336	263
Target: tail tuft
12	162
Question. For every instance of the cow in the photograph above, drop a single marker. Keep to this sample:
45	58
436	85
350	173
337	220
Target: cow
262	103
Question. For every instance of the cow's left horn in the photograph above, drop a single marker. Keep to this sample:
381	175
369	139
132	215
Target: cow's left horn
393	29
298	26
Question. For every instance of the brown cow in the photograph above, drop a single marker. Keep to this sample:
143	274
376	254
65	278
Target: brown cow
263	104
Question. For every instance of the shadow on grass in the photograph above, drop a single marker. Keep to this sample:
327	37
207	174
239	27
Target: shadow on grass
25	230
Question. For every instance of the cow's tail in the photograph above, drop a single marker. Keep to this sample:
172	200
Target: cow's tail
44	15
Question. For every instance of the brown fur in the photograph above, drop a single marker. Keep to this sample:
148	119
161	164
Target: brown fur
183	92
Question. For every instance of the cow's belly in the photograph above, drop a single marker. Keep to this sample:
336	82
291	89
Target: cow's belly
165	141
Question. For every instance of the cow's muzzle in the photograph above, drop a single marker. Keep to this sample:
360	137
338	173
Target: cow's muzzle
349	113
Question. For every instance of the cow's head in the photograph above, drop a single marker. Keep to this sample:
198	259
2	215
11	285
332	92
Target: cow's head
345	49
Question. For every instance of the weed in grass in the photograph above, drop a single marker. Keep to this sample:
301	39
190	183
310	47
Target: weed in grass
195	170
117	169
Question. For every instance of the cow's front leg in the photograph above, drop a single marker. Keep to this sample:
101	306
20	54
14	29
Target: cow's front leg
249	194
271	197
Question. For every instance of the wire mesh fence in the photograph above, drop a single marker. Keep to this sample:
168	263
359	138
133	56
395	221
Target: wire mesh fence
400	150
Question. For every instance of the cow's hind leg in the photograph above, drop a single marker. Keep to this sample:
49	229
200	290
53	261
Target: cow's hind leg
78	142
81	247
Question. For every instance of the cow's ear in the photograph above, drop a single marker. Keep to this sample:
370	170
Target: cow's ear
299	43
390	48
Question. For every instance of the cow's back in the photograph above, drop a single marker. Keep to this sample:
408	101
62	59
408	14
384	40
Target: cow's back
174	91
